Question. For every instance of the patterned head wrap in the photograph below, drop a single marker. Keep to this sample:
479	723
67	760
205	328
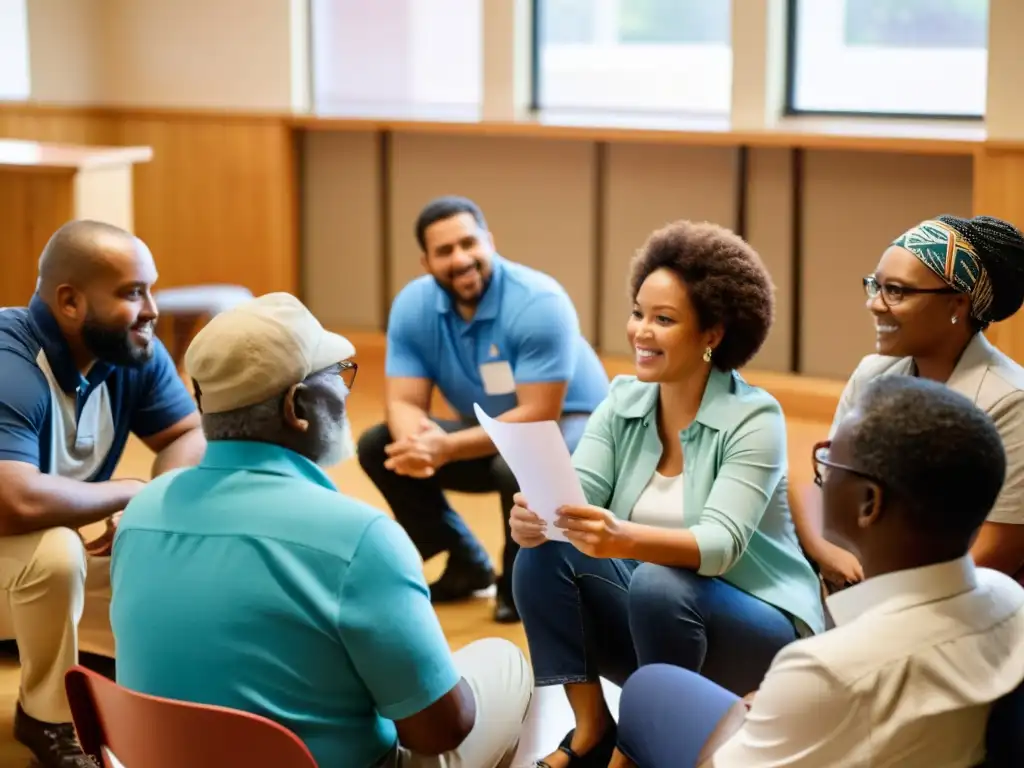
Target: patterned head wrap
948	254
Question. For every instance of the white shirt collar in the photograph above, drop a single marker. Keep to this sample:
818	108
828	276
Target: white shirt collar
900	590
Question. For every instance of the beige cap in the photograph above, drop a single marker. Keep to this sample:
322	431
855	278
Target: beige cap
259	349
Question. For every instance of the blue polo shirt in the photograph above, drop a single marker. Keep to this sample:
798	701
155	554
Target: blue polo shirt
67	424
250	582
525	330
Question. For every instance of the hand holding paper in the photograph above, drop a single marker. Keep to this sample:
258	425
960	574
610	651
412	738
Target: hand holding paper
539	458
528	529
594	531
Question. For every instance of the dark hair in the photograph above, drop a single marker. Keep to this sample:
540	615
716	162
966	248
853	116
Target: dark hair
442	208
727	282
1000	247
933	449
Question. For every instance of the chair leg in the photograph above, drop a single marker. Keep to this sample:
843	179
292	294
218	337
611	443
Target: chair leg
182	330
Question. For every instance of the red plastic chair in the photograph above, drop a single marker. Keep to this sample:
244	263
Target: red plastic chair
151	732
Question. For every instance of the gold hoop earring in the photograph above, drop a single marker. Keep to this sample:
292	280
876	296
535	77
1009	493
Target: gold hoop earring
707	354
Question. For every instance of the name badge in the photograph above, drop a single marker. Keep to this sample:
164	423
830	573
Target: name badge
497	378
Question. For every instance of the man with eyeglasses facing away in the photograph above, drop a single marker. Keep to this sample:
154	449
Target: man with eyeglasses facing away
250	582
921	649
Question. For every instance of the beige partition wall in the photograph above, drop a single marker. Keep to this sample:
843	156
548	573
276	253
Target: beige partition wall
578	208
854	205
768	213
537	195
644	187
342	239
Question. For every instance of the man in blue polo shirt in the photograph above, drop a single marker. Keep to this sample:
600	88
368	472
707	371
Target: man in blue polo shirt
484	330
251	582
80	369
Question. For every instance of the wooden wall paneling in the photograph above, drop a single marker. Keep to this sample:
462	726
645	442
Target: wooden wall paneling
70	125
218	202
32	206
999	191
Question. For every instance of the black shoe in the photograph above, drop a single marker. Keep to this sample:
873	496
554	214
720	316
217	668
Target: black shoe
597	757
505	609
461	580
54	745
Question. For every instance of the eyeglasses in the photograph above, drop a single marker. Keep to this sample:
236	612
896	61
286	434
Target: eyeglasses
347	371
892	293
821	462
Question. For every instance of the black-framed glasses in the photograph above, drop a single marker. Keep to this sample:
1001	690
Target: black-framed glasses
821	462
347	371
893	293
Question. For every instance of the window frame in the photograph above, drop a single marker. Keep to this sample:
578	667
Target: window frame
535	11
789	109
641	114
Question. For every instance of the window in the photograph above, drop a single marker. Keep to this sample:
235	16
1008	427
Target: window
644	56
888	57
396	57
14	78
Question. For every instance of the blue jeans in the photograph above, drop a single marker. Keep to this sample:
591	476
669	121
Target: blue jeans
588	617
666	714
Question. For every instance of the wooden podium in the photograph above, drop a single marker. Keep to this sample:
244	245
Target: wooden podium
43	186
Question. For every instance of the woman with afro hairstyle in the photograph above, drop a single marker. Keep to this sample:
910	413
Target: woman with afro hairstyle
935	290
685	553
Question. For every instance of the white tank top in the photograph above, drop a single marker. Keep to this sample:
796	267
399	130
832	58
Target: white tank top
661	503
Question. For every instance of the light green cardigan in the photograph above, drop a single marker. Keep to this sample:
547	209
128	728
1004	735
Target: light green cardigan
734	483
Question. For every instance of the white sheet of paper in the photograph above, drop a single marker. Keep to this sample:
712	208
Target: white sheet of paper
539	458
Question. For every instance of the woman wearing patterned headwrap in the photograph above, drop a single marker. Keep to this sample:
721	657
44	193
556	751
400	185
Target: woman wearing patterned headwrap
933	294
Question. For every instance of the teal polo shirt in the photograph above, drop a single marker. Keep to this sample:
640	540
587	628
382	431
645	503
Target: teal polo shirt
525	331
250	582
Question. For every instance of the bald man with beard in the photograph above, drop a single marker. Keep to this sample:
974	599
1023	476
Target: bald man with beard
80	370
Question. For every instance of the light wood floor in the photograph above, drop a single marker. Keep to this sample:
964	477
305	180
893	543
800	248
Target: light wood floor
462	623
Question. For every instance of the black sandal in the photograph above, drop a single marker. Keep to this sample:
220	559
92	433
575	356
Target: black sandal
597	757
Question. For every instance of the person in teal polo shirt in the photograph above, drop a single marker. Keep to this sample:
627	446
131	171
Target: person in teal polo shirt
686	553
249	582
484	330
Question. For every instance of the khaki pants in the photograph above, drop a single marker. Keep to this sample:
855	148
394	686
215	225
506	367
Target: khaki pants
57	603
502	684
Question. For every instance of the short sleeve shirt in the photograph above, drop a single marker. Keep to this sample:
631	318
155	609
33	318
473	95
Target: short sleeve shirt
525	330
67	424
250	582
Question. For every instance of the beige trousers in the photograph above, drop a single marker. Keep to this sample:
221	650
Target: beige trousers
57	602
502	684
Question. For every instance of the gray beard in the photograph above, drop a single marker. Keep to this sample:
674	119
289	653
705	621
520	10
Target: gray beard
341	450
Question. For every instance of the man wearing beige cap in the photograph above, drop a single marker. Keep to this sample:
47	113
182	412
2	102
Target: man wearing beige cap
250	582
